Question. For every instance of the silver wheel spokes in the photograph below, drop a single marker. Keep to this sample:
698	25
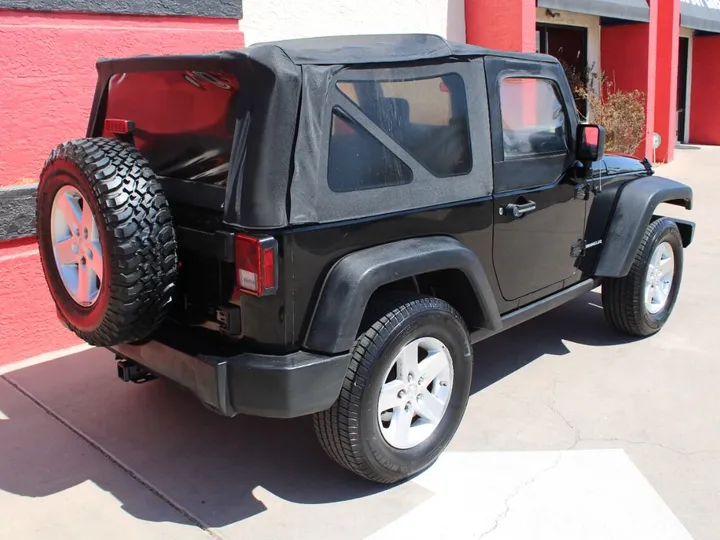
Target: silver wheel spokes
416	393
659	279
76	246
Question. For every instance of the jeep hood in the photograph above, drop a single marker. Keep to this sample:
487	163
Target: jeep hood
624	164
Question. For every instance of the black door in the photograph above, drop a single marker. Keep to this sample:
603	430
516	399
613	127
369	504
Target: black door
539	207
569	45
682	87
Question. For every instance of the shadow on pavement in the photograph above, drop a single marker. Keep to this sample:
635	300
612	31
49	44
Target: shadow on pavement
581	321
210	465
683	146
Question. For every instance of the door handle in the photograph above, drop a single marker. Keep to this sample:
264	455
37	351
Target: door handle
519	210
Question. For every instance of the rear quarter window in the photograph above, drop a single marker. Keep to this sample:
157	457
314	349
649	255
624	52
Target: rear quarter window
184	120
427	117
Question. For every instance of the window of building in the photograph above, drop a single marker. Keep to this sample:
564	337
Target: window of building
358	161
427	117
533	118
569	44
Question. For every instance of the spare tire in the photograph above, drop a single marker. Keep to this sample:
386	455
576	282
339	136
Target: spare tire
106	240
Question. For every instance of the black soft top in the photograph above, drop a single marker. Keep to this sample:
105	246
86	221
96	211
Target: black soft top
378	49
278	171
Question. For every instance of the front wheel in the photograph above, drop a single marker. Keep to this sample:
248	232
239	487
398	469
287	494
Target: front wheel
640	303
405	393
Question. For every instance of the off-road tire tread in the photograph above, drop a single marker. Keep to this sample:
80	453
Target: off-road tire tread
337	428
143	247
622	298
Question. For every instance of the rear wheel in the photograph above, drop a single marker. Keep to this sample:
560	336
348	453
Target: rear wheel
404	395
106	241
640	303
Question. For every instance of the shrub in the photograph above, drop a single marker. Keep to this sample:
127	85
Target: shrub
622	113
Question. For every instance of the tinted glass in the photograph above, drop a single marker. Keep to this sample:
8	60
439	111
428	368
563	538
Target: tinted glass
184	120
427	117
358	161
533	118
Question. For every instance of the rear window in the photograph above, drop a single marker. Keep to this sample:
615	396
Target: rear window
184	120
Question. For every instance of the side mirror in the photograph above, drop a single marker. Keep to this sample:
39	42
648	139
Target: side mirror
590	143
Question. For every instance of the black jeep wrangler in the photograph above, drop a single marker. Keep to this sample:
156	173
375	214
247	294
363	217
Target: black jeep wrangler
326	226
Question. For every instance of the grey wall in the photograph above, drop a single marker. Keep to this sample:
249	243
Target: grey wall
231	9
17	212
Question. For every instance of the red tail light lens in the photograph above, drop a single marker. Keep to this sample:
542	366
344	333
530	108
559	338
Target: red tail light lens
268	273
119	127
256	265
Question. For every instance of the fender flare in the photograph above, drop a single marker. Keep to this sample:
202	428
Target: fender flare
354	278
634	209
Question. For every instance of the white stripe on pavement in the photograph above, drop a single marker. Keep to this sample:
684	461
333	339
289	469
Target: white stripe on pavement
42	358
568	495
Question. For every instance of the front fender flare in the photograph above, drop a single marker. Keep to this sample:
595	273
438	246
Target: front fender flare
634	208
353	279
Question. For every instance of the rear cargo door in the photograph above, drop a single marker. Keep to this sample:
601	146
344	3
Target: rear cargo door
183	122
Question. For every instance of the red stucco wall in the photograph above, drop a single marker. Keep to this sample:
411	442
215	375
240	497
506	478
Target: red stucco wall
704	112
47	73
47	77
501	24
28	325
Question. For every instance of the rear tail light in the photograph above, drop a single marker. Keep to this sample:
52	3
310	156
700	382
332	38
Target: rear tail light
256	265
119	127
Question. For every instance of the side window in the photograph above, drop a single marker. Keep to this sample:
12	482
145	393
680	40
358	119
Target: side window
427	117
358	161
533	119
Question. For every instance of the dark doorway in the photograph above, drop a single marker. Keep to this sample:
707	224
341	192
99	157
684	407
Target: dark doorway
682	88
569	45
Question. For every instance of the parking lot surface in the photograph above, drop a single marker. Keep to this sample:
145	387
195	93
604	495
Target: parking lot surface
572	432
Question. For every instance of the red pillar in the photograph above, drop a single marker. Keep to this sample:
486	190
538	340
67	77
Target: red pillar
704	112
668	39
628	53
501	24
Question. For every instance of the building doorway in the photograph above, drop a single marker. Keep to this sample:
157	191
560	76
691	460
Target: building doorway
569	45
681	106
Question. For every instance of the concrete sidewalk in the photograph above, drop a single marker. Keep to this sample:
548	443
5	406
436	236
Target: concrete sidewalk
79	441
53	484
572	432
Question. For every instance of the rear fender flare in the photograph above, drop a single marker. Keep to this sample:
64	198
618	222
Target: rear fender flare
634	209
353	279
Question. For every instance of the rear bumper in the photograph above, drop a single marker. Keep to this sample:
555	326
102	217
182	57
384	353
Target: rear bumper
285	386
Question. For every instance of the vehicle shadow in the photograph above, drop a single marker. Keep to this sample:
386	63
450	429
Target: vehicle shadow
580	321
210	465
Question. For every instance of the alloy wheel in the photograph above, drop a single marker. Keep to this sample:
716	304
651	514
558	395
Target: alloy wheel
416	393
76	246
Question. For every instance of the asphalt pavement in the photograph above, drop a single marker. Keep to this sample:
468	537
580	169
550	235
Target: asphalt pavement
572	432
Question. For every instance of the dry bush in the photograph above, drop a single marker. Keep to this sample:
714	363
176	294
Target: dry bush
622	113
